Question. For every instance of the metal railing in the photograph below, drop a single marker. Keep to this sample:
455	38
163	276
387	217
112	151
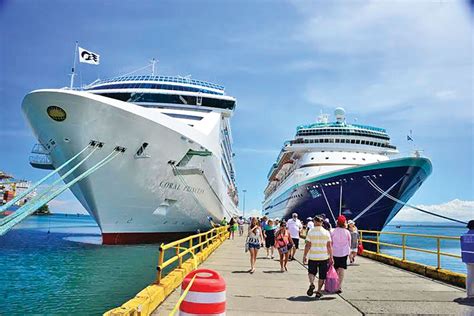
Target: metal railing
188	246
404	246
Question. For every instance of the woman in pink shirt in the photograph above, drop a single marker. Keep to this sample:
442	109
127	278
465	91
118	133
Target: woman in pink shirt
341	248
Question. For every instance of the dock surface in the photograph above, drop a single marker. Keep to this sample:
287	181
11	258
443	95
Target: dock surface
370	288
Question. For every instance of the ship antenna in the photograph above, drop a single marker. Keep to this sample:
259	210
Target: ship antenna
153	63
74	66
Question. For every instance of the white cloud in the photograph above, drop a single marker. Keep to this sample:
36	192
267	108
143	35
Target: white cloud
391	56
253	212
66	206
457	209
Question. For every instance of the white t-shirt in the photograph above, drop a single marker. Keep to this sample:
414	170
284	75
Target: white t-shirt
294	227
310	225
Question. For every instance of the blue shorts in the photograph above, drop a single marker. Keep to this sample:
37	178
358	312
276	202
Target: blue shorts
254	246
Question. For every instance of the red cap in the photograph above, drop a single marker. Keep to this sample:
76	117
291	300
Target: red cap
341	219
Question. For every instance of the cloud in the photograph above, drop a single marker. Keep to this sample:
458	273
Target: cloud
66	206
390	56
457	209
253	212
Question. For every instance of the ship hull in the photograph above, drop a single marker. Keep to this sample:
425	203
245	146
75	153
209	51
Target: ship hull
323	194
133	199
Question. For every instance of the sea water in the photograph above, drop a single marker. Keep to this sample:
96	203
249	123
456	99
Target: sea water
56	265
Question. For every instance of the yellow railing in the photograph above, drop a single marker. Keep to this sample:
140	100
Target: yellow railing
404	246
189	245
197	247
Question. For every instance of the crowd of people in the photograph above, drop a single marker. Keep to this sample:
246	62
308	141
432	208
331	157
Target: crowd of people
325	246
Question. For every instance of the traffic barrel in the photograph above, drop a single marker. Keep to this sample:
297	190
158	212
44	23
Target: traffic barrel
206	295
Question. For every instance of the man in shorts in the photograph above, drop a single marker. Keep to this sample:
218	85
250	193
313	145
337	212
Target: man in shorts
294	227
318	245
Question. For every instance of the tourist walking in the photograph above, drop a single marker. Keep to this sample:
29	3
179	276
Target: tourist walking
232	227
254	242
224	221
318	250
283	243
354	240
241	222
269	235
294	227
341	247
310	223
467	252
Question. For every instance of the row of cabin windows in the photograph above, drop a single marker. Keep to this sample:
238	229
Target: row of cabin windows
348	132
342	141
141	85
170	99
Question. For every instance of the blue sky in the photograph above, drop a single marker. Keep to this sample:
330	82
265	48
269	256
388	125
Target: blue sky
394	64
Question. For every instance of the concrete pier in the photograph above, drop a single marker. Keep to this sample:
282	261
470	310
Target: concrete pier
370	288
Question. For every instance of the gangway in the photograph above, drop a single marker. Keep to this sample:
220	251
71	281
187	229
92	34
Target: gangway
29	208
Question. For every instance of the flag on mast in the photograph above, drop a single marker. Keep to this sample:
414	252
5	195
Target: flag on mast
88	57
409	137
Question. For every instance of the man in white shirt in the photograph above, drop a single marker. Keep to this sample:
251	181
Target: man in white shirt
294	227
310	223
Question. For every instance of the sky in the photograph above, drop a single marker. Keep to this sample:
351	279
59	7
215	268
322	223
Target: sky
400	65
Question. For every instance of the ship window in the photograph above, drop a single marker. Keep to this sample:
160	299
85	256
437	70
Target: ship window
352	141
343	157
358	141
363	159
185	116
327	157
337	140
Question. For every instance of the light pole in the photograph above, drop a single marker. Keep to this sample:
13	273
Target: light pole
243	209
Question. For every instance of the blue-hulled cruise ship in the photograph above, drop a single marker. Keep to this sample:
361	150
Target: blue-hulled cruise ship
337	168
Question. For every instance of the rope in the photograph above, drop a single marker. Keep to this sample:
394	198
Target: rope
183	296
376	187
25	193
28	209
34	200
377	199
329	206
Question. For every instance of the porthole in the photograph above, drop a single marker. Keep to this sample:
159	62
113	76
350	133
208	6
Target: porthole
66	140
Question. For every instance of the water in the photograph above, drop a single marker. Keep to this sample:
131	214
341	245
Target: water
67	271
447	246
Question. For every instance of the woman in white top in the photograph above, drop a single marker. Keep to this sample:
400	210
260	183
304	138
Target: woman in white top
254	242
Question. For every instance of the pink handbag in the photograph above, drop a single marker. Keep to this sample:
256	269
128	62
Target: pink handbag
331	285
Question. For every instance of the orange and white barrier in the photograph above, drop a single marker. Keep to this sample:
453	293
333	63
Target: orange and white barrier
206	296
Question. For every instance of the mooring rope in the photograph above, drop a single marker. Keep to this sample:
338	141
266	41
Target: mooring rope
376	187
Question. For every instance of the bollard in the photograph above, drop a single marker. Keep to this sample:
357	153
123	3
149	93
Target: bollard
206	296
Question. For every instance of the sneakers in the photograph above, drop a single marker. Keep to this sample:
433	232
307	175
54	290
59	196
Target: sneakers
310	290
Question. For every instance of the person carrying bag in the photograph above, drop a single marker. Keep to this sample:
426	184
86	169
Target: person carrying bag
283	244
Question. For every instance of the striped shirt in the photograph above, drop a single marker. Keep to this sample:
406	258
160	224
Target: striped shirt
318	237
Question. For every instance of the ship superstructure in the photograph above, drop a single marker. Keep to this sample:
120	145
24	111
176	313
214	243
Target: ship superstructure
331	168
176	173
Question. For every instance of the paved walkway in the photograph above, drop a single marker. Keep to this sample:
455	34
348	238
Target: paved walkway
370	288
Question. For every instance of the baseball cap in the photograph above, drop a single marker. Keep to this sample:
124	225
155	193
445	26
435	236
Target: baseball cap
341	219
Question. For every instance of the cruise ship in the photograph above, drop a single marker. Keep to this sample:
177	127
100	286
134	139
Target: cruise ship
175	173
335	168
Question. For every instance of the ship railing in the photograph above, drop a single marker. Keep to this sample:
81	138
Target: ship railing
187	248
372	237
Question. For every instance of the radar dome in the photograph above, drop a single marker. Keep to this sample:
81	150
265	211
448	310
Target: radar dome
340	114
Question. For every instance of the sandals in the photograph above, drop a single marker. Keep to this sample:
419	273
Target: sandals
318	294
310	290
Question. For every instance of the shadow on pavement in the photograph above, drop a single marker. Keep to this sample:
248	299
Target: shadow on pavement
305	298
464	301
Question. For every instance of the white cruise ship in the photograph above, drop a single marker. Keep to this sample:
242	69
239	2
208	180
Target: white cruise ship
175	174
335	168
